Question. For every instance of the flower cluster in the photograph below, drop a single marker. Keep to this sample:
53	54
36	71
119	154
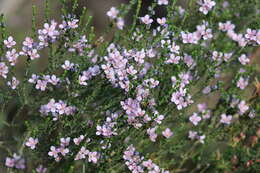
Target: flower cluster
113	14
206	5
137	164
137	88
57	109
88	74
15	162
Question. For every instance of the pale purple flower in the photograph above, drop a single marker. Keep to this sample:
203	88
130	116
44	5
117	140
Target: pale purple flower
146	19
228	26
242	83
16	162
173	59
120	23
193	134
12	56
54	80
244	60
78	140
67	65
41	169
54	152
251	34
51	106
14	83
162	2
201	138
167	133
61	107
82	80
152	134
50	29
41	85
28	42
9	43
226	119
206	6
161	21
3	70
202	107
63	151
82	154
64	141
112	13
243	107
31	142
195	119
159	119
9	162
191	38
252	114
206	90
73	24
93	157
33	54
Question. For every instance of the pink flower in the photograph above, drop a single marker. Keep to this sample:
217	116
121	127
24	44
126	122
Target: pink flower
54	152
67	65
152	134
64	141
41	85
112	13
73	24
167	133
120	23
193	134
206	6
14	83
242	107
201	138
50	29
243	59
9	43
173	59
33	54
54	80
146	19
202	107
41	169
93	156
161	21
78	140
163	2
228	26
226	119
33	79
12	56
31	143
28	42
191	38
242	83
16	162
251	34
9	162
3	70
82	154
63	150
195	119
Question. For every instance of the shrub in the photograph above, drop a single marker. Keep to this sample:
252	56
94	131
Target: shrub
173	94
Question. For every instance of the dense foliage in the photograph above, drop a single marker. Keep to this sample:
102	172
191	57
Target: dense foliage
176	93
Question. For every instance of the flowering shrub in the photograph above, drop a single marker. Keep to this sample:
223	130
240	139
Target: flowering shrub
165	94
